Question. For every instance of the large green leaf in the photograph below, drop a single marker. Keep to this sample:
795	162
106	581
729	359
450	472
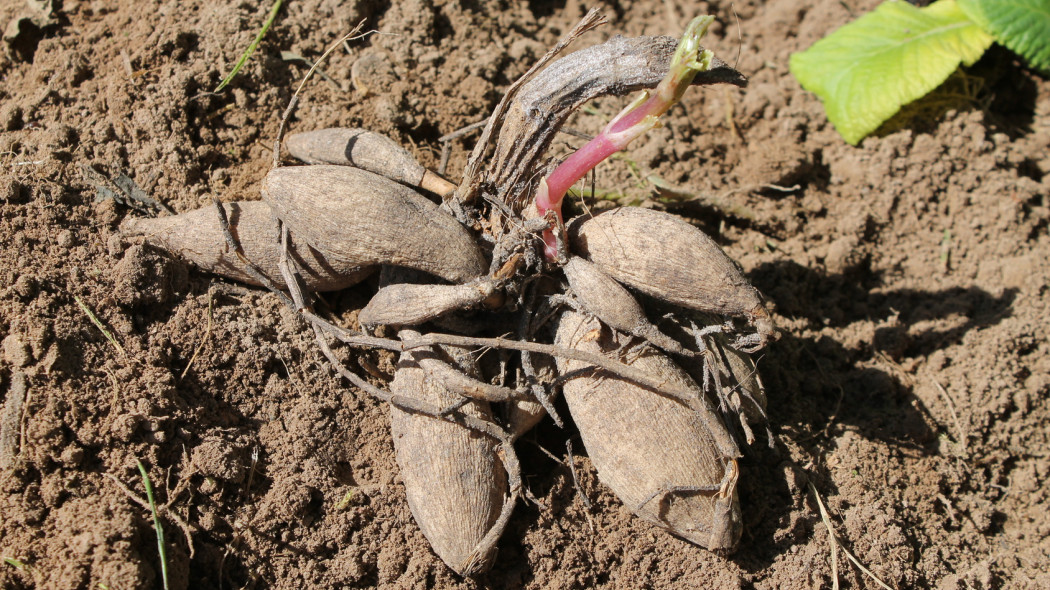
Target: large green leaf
867	70
1023	26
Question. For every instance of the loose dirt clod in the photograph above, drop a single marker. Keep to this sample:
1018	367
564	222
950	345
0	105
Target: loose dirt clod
657	455
197	237
362	218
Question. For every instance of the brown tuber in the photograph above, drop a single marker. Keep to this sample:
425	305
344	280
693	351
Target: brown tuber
363	218
406	304
366	150
197	237
671	260
611	303
657	455
454	479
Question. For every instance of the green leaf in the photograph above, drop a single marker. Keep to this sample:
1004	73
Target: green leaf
252	46
867	70
1023	26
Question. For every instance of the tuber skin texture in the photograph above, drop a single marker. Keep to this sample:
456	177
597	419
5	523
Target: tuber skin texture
454	479
406	304
611	303
669	259
197	237
657	455
363	218
366	150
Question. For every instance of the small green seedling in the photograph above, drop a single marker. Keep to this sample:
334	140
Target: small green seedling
252	46
867	70
156	523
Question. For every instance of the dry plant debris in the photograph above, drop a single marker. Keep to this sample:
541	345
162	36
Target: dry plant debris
636	316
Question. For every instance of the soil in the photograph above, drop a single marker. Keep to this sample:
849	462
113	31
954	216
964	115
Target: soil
909	274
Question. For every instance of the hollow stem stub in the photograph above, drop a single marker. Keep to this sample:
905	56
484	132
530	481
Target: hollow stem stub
636	119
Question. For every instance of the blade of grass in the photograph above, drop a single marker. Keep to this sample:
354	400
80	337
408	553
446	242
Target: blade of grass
98	324
156	523
251	48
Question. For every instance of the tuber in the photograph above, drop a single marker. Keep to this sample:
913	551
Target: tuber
611	303
454	479
657	455
366	150
363	218
671	260
197	236
405	304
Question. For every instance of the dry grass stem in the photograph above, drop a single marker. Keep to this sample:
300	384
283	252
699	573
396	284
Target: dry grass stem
836	544
959	432
98	324
187	530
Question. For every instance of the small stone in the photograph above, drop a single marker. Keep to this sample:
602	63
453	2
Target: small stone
66	240
16	352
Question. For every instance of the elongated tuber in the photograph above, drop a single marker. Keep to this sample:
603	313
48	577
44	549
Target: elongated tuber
603	297
367	150
657	455
197	237
363	218
669	259
406	304
454	479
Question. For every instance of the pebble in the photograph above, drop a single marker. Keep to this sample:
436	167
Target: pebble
16	352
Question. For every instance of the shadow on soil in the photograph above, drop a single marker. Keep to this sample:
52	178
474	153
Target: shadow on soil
819	386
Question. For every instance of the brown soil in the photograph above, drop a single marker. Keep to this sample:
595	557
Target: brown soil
910	275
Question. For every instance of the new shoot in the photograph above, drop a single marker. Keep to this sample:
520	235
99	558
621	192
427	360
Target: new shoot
635	120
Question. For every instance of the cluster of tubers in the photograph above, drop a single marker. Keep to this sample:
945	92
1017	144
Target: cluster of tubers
642	323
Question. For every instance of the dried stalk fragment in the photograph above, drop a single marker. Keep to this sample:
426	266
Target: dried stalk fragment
197	237
619	66
363	218
657	455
